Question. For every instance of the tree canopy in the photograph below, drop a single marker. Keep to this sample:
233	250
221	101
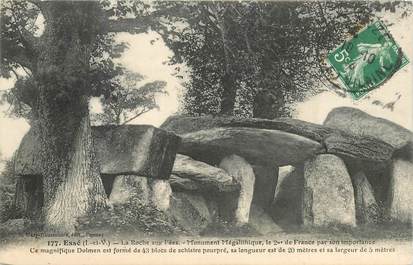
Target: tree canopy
65	65
256	58
128	100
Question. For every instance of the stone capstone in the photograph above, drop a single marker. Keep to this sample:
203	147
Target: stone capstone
230	131
121	150
257	146
135	149
358	122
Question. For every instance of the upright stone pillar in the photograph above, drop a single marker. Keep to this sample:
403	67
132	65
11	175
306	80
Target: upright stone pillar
242	172
367	210
328	193
400	201
161	192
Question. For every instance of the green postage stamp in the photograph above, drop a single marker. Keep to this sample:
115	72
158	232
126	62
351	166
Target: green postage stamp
367	60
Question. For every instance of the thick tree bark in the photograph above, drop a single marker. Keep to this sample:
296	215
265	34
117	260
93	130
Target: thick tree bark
71	182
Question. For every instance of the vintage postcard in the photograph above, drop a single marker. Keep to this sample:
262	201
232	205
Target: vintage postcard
206	132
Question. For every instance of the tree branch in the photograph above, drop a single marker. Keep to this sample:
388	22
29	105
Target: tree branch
21	59
26	37
131	25
135	116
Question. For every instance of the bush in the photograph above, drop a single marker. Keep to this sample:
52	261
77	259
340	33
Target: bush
7	192
8	209
132	217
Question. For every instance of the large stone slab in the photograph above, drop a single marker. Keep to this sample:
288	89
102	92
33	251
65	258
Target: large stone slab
191	174
358	122
135	149
130	187
335	140
367	209
360	148
400	192
180	124
121	150
257	146
328	193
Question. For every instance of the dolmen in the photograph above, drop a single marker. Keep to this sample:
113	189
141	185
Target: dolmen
126	154
340	176
270	174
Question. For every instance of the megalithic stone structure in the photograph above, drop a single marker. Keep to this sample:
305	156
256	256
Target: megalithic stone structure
139	150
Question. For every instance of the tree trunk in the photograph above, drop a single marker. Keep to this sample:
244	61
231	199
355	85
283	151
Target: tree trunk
228	82
228	94
263	106
72	184
71	181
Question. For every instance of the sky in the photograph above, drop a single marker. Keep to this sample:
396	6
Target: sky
151	60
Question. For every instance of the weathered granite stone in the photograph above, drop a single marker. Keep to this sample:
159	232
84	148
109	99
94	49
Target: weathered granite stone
335	140
401	190
186	124
121	150
180	184
357	122
190	211
190	174
160	196
328	193
361	148
257	146
135	149
243	173
130	187
367	209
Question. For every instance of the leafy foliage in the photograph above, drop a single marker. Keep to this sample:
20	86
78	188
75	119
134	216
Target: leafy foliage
128	100
8	209
260	57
